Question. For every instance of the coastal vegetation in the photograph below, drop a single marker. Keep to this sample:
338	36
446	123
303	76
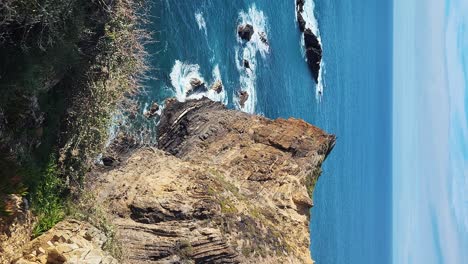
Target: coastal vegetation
65	66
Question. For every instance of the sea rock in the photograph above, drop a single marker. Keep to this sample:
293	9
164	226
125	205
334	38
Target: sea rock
243	96
245	32
217	86
313	52
246	64
196	86
263	38
312	45
300	5
153	111
301	21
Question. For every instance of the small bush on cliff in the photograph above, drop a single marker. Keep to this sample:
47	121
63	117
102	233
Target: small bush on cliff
46	199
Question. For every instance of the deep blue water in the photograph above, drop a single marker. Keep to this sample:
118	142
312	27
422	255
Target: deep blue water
351	220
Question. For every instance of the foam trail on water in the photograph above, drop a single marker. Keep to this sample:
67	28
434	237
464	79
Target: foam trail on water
181	75
201	22
248	51
312	23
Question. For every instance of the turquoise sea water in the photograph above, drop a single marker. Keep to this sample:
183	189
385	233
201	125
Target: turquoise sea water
351	220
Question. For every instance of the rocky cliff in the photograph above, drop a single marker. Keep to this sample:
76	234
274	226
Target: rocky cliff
223	186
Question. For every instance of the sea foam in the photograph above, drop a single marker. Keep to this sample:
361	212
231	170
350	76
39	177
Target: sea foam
201	22
248	51
181	75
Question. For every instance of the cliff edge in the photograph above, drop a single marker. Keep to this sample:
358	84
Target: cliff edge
223	186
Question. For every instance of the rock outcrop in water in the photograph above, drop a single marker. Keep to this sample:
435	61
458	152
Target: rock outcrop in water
313	53
223	186
312	44
245	32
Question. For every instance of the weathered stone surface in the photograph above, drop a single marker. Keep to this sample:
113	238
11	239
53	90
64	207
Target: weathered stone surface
224	187
70	242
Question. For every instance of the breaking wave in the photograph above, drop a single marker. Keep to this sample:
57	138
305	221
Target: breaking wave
247	51
183	73
201	22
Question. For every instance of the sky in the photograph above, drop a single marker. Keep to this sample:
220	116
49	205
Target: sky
430	134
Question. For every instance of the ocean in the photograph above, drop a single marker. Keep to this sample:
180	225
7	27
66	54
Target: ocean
351	219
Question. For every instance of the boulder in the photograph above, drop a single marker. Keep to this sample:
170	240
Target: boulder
245	32
246	64
108	161
153	111
196	85
217	86
243	96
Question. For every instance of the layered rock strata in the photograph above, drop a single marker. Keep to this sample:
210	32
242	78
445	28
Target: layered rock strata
223	187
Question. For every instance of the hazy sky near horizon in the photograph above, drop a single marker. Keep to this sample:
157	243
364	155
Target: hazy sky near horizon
430	134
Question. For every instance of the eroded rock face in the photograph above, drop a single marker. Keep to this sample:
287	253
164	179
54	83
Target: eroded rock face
223	187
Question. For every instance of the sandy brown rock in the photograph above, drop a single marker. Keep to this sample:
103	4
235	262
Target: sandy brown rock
15	230
70	241
224	187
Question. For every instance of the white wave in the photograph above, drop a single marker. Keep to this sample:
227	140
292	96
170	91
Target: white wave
212	94
201	22
181	75
258	20
309	18
248	51
320	85
312	23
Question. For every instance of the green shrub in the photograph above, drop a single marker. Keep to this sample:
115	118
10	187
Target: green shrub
46	200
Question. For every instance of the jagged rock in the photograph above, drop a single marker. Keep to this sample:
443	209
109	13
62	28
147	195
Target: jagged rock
243	96
153	111
223	187
301	21
313	52
300	5
69	241
16	229
312	44
245	32
217	86
196	85
263	38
